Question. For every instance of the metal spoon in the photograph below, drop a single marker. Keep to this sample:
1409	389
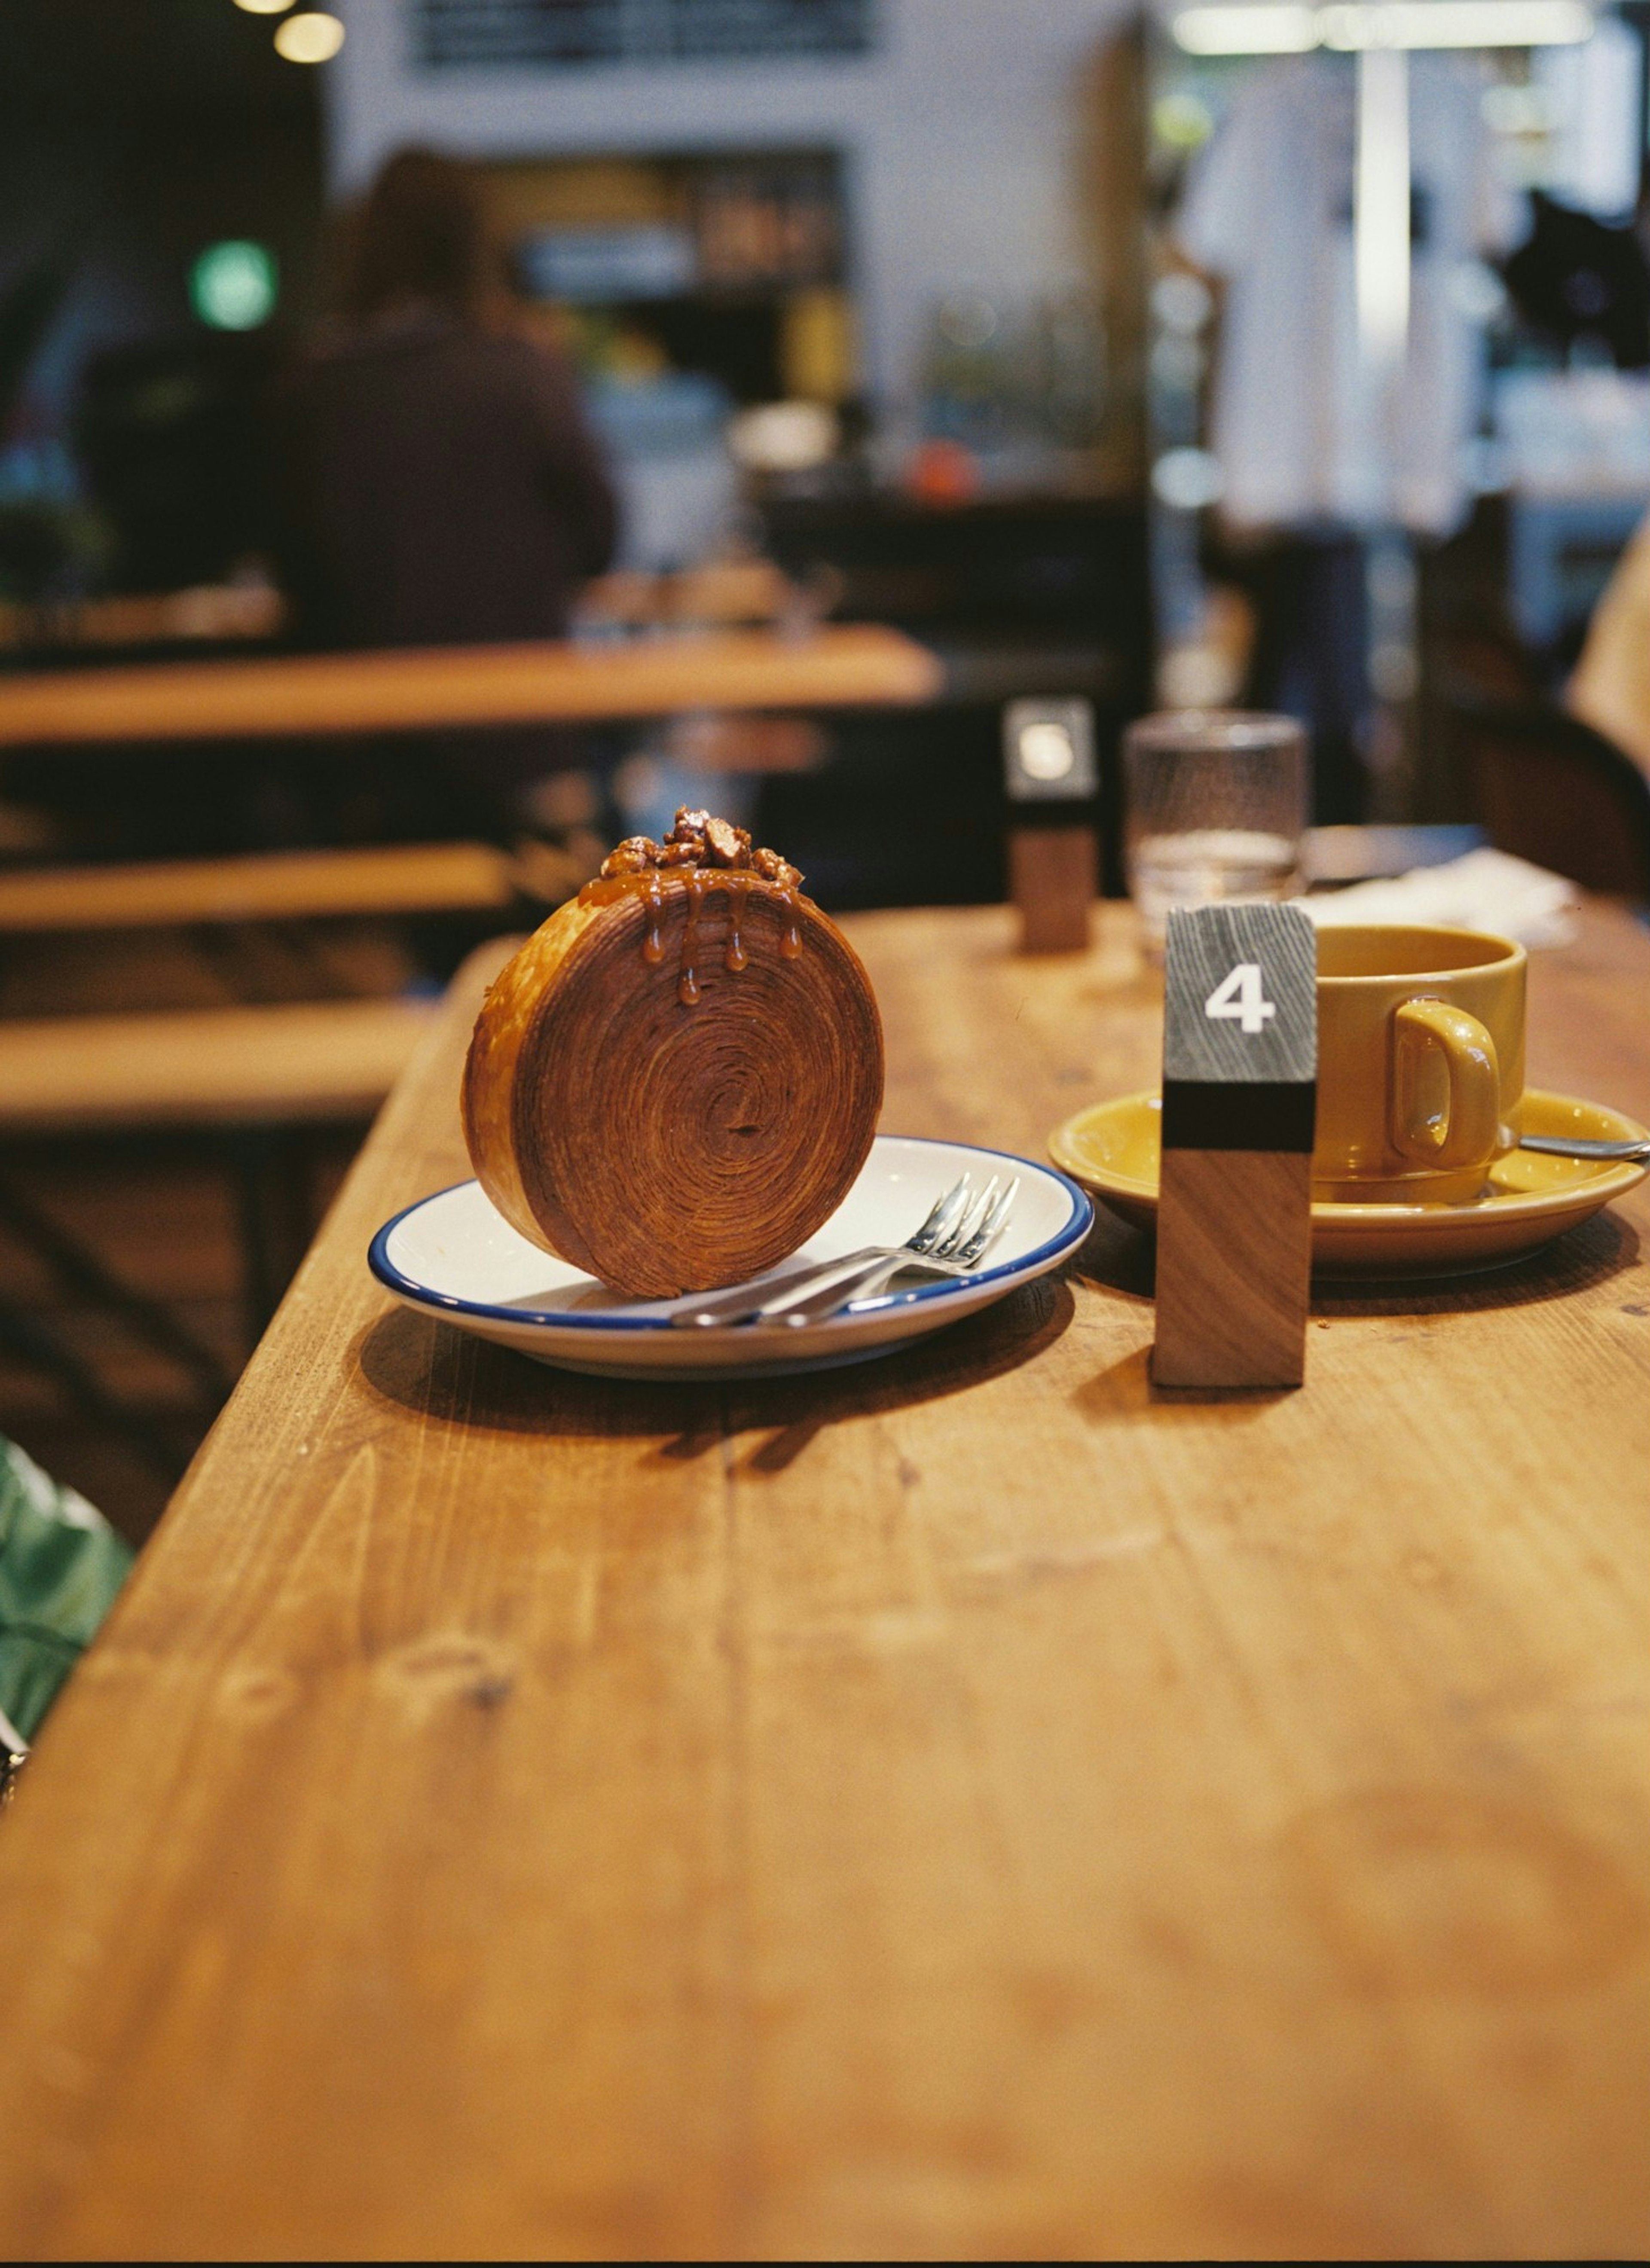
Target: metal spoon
1572	1145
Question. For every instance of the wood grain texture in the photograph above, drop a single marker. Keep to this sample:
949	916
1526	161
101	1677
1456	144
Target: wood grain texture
280	886
962	1805
1233	1268
1202	947
1053	878
332	1059
862	665
1234	1224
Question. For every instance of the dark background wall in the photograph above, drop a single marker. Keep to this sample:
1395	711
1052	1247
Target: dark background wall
133	134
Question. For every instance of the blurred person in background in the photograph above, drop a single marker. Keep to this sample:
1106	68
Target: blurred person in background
1314	469
437	484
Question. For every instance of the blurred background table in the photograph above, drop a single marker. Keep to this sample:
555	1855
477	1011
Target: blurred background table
278	696
962	1806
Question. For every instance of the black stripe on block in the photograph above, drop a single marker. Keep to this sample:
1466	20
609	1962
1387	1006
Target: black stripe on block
1237	1115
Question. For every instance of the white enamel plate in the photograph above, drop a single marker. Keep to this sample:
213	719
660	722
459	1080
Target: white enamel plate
454	1255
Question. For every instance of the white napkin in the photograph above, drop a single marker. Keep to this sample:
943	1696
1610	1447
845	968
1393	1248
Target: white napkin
1487	889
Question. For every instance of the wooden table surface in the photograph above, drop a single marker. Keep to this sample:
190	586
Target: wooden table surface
852	665
962	1805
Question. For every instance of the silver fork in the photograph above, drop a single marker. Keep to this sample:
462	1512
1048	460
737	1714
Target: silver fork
746	1301
943	1233
957	1255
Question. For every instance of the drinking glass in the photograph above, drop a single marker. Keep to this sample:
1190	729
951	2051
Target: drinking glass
1215	806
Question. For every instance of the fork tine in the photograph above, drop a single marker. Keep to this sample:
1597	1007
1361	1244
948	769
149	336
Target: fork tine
997	1217
934	1211
967	1226
936	1226
990	1223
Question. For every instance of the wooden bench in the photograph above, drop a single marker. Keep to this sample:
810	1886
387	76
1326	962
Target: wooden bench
284	886
309	1064
248	1078
252	1080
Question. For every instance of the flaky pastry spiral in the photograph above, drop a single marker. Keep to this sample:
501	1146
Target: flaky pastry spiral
676	1082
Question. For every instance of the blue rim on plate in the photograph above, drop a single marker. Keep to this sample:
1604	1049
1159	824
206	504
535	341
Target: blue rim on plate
1066	1238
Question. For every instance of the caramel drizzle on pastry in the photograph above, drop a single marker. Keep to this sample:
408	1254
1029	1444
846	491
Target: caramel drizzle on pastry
700	853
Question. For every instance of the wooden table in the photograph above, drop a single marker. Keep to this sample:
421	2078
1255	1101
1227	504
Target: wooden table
961	1805
854	666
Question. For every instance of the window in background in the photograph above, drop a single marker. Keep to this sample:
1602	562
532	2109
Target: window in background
568	33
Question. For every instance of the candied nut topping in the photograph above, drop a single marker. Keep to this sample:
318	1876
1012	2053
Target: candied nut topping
728	846
633	856
771	867
697	839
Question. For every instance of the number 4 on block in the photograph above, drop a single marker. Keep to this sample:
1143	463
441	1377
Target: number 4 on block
1239	994
1234	1213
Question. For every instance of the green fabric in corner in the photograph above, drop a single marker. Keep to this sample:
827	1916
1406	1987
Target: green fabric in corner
61	1566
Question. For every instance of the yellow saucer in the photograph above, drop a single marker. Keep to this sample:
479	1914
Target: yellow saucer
1112	1148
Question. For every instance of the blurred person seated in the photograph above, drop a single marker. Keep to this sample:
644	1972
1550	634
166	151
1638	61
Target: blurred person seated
439	482
1611	687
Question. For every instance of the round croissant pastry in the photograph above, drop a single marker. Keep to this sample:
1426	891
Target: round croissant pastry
676	1082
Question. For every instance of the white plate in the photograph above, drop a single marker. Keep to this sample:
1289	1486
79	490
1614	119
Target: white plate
454	1255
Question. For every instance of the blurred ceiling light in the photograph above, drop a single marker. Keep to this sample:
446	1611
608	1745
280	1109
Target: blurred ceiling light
1458	23
1276	31
232	286
309	39
1380	205
1358	23
264	7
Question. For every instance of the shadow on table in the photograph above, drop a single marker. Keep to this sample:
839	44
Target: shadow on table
1120	1259
1116	1258
446	1376
1604	1246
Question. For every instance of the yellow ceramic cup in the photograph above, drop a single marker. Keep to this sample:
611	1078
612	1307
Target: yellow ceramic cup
1420	1062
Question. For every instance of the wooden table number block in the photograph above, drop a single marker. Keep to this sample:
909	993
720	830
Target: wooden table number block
1240	1091
1054	878
1051	778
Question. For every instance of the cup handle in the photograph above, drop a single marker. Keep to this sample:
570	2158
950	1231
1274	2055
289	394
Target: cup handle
1466	1130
